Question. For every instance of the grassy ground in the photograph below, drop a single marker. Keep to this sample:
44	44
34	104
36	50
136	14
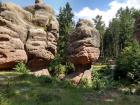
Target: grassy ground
18	89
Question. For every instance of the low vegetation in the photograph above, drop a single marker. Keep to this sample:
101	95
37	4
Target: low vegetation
128	64
25	89
21	68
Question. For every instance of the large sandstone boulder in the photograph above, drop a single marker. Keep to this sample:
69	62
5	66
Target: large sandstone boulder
29	35
84	43
137	29
13	33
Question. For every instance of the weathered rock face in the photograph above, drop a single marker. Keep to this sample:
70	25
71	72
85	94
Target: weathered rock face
29	35
84	43
13	33
83	50
137	29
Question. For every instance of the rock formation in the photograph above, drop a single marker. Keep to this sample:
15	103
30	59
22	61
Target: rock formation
137	29
29	35
84	43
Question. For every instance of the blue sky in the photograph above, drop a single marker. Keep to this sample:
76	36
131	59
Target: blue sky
77	5
88	9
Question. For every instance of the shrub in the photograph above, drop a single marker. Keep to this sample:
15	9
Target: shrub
97	80
85	83
21	67
56	67
102	78
128	64
3	99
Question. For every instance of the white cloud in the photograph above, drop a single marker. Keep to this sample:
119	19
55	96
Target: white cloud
107	15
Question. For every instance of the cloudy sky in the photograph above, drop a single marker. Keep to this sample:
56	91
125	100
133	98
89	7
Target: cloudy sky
88	8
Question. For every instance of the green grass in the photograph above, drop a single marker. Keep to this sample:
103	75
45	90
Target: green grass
31	90
99	67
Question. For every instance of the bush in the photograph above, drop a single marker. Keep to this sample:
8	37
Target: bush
56	67
85	83
98	81
21	67
3	100
128	64
102	78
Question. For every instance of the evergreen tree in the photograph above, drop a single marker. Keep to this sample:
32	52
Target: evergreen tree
120	32
126	26
66	25
100	26
112	38
60	64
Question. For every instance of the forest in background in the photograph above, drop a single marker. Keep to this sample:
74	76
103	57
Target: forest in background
118	45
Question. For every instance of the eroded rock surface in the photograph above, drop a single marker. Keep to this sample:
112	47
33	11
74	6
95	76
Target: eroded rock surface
29	35
84	43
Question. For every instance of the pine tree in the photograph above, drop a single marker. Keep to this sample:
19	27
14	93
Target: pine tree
120	32
66	25
100	26
61	64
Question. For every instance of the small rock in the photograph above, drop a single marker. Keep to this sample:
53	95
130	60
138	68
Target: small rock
75	77
43	72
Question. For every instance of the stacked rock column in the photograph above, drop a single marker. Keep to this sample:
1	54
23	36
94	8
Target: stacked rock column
84	43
